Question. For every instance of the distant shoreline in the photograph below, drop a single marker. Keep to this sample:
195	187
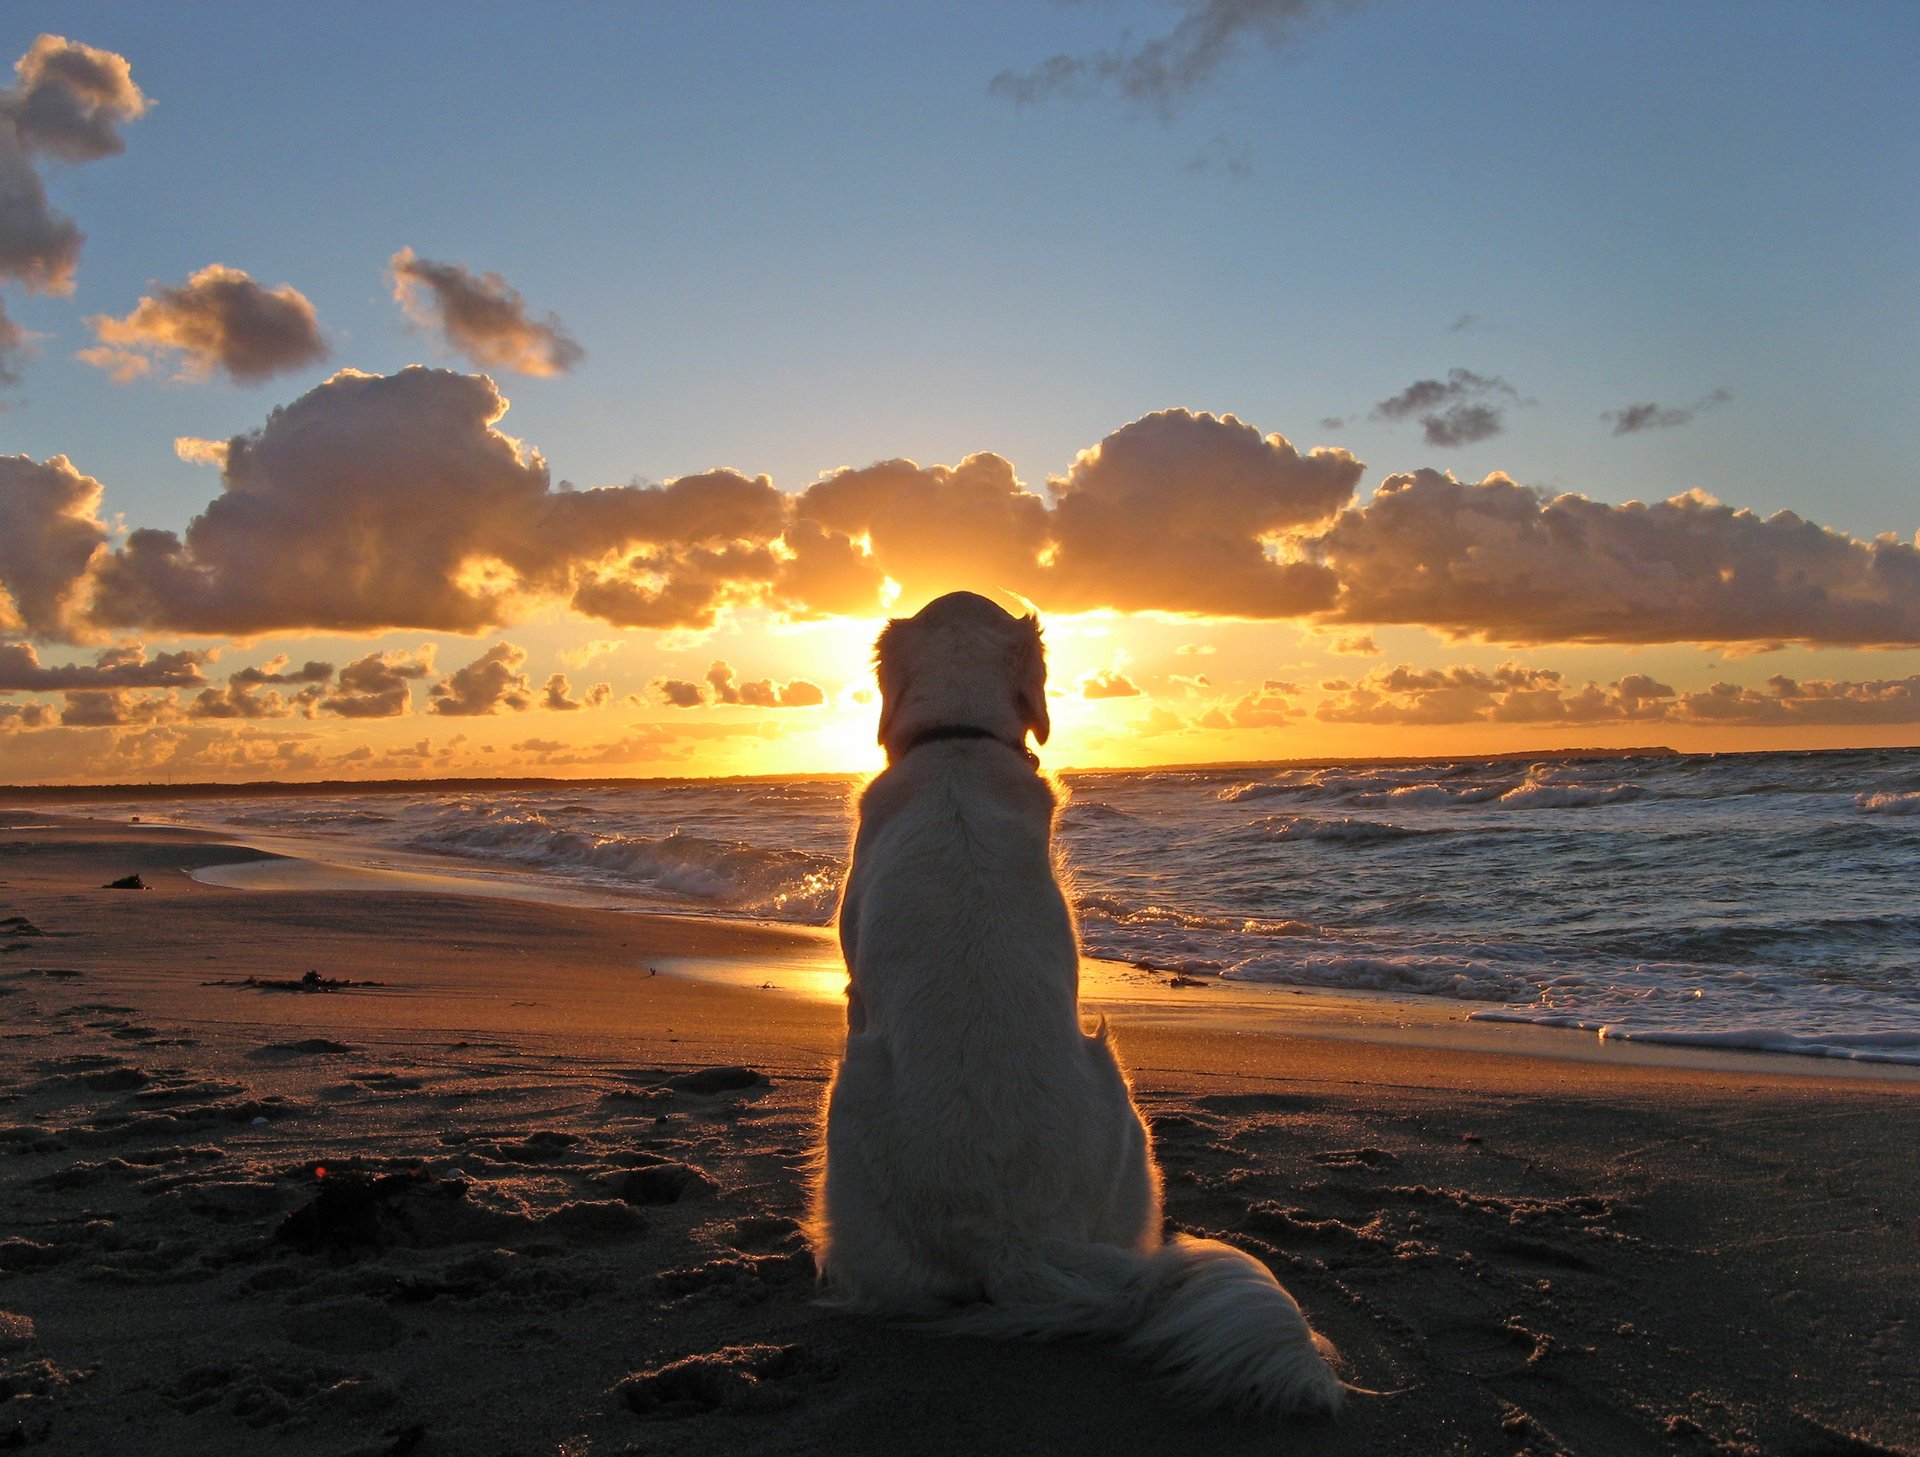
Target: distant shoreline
265	788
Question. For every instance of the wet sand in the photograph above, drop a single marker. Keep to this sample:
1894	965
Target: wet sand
557	1217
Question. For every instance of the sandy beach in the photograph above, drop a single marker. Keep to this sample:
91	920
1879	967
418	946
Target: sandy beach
527	1186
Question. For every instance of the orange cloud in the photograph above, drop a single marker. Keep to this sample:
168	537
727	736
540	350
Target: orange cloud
218	319
374	502
724	686
378	685
21	670
1177	512
50	528
1109	683
481	316
491	682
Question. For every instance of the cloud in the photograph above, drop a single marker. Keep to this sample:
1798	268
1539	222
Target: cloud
1109	683
491	682
1176	513
678	692
70	100
378	685
50	528
21	670
1408	695
481	316
1351	644
722	685
115	707
557	693
1504	563
1268	706
763	692
195	451
218	319
24	717
600	647
1820	701
1515	694
1632	419
67	104
1462	409
931	529
15	344
374	502
278	669
1163	72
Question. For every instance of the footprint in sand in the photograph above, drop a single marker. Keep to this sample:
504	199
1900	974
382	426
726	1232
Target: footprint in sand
740	1378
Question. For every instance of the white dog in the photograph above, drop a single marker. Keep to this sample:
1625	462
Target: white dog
985	1169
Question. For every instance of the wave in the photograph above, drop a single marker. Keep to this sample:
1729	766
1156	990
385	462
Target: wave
1460	978
1346	831
1889	802
1896	1045
790	885
1114	911
1429	796
1544	794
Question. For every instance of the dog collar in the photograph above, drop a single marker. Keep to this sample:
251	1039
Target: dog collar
966	731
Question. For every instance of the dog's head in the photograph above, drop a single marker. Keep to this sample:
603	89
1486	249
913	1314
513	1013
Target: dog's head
962	662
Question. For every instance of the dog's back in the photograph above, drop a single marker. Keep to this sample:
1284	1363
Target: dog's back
984	1161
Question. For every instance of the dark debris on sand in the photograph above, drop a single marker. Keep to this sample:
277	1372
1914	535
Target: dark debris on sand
127	882
311	982
354	1210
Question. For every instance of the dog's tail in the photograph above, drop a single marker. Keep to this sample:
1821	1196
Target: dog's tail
1206	1315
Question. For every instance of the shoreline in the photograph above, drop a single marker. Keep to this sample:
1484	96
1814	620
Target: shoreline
1131	996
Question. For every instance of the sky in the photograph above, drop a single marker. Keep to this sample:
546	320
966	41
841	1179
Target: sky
424	390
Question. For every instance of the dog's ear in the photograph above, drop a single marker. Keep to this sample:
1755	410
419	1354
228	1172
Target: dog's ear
1030	680
889	658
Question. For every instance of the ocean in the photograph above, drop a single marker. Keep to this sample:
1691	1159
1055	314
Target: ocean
1762	901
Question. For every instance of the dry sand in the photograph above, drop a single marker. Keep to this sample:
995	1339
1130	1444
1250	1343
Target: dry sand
535	1234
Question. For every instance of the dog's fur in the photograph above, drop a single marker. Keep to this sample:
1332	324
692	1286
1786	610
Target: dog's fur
985	1168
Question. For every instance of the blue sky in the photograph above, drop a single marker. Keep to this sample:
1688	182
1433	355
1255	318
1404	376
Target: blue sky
793	237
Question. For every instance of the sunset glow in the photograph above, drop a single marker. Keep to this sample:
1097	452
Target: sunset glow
466	457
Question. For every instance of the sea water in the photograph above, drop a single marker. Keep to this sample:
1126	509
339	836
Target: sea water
1751	900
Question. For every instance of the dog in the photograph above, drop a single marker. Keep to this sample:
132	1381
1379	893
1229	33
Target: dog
985	1170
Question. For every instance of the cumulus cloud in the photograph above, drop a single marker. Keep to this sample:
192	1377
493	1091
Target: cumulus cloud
931	529
762	692
249	696
128	666
481	316
491	682
1632	419
1516	694
1270	705
723	685
218	319
678	692
557	693
374	502
378	685
1502	562
114	708
1183	512
24	717
1109	683
1162	72
67	104
1821	702
50	528
1462	409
